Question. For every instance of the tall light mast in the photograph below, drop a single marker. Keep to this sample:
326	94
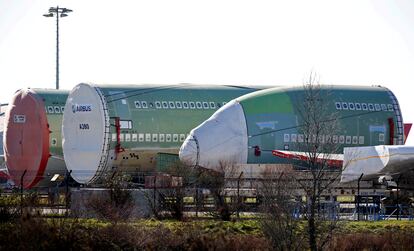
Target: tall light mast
62	12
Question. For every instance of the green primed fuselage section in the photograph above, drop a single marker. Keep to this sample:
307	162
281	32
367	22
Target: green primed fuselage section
54	101
161	118
274	121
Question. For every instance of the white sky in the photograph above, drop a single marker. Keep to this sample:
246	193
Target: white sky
217	42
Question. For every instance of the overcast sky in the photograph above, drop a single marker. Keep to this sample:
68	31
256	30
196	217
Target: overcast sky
216	42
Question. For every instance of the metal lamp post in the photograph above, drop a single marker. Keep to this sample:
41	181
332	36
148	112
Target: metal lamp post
62	12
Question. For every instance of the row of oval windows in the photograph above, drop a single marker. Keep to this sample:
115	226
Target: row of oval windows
158	105
148	137
178	105
211	105
363	106
55	109
143	137
342	139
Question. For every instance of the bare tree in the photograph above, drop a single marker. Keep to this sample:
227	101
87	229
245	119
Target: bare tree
167	190
182	178
115	204
319	125
279	220
226	203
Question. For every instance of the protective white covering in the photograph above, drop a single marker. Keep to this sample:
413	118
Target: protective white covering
83	132
222	139
375	161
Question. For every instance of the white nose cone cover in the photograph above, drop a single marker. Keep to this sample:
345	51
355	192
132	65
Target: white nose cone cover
221	140
83	134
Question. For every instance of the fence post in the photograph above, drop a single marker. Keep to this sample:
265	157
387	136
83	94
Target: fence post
21	192
238	195
398	198
358	198
67	191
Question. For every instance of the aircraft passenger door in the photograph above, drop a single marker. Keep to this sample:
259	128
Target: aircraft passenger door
377	134
122	107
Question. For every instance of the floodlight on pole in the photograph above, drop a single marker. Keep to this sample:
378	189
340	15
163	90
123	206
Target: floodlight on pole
62	12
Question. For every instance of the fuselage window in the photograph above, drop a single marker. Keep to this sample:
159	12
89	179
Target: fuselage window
383	107
172	105
185	105
344	105
212	105
141	137
57	109
338	105
351	106
205	105
178	104
390	108
50	109
168	137
158	104
151	105
175	137
364	107
377	107
224	103
161	137
199	106
137	104
371	107
354	140
144	104
182	137
62	108
357	106
164	104
127	137
192	105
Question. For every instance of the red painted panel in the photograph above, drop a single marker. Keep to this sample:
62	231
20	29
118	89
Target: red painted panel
407	128
391	125
26	138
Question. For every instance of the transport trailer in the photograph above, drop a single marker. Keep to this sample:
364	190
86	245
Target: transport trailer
32	137
124	127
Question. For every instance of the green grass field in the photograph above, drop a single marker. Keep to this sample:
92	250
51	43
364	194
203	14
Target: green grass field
193	234
252	227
